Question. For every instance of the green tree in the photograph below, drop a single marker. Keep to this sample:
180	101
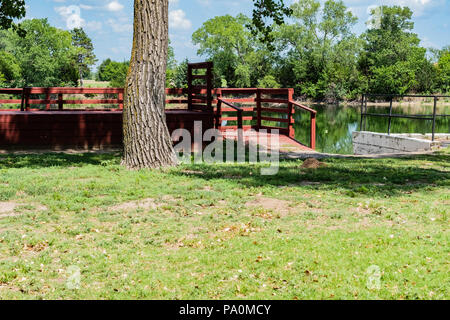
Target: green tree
266	14
10	10
179	77
120	74
85	57
240	60
45	54
102	75
10	70
171	67
443	68
392	59
114	72
318	51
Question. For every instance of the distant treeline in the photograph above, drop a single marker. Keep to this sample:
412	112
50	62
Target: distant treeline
315	52
46	56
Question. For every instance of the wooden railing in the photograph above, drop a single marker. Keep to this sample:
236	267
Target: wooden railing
224	115
26	100
313	113
254	100
262	116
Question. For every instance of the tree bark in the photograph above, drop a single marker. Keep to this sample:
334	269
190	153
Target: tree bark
147	142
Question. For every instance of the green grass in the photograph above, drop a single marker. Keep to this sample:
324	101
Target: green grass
202	237
95	84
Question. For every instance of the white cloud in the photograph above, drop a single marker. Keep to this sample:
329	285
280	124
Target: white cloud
178	20
419	7
71	15
114	6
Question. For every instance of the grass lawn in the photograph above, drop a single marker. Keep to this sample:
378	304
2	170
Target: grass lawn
223	231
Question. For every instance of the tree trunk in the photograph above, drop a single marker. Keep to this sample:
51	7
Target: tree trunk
147	142
81	76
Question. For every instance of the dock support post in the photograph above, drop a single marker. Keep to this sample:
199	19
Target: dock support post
291	114
313	131
434	119
390	117
60	101
258	110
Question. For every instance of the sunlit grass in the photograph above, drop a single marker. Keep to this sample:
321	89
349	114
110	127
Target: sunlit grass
223	231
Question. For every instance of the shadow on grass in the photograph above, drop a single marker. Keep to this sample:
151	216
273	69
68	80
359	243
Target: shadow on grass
386	177
48	160
352	175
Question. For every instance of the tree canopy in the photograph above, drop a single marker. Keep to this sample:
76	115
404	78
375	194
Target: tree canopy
85	57
10	10
317	53
239	58
45	54
114	72
392	56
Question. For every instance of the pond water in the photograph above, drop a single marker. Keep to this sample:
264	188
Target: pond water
335	124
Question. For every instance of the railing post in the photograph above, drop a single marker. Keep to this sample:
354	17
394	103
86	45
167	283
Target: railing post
27	98
390	117
313	131
209	86
240	127
60	101
365	111
22	103
120	97
47	97
290	116
434	119
219	111
189	80
362	113
258	110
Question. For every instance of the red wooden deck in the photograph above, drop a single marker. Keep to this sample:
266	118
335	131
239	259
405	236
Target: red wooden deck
223	109
79	129
268	140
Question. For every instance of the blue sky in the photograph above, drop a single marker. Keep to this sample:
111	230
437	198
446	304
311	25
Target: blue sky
109	22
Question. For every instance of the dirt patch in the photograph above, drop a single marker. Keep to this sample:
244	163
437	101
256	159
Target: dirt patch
6	207
11	209
281	207
133	205
312	163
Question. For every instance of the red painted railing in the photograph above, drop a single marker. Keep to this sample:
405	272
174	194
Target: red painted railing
264	114
255	101
26	100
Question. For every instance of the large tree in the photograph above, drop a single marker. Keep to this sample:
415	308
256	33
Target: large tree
10	10
393	59
240	60
318	50
147	142
44	53
85	57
